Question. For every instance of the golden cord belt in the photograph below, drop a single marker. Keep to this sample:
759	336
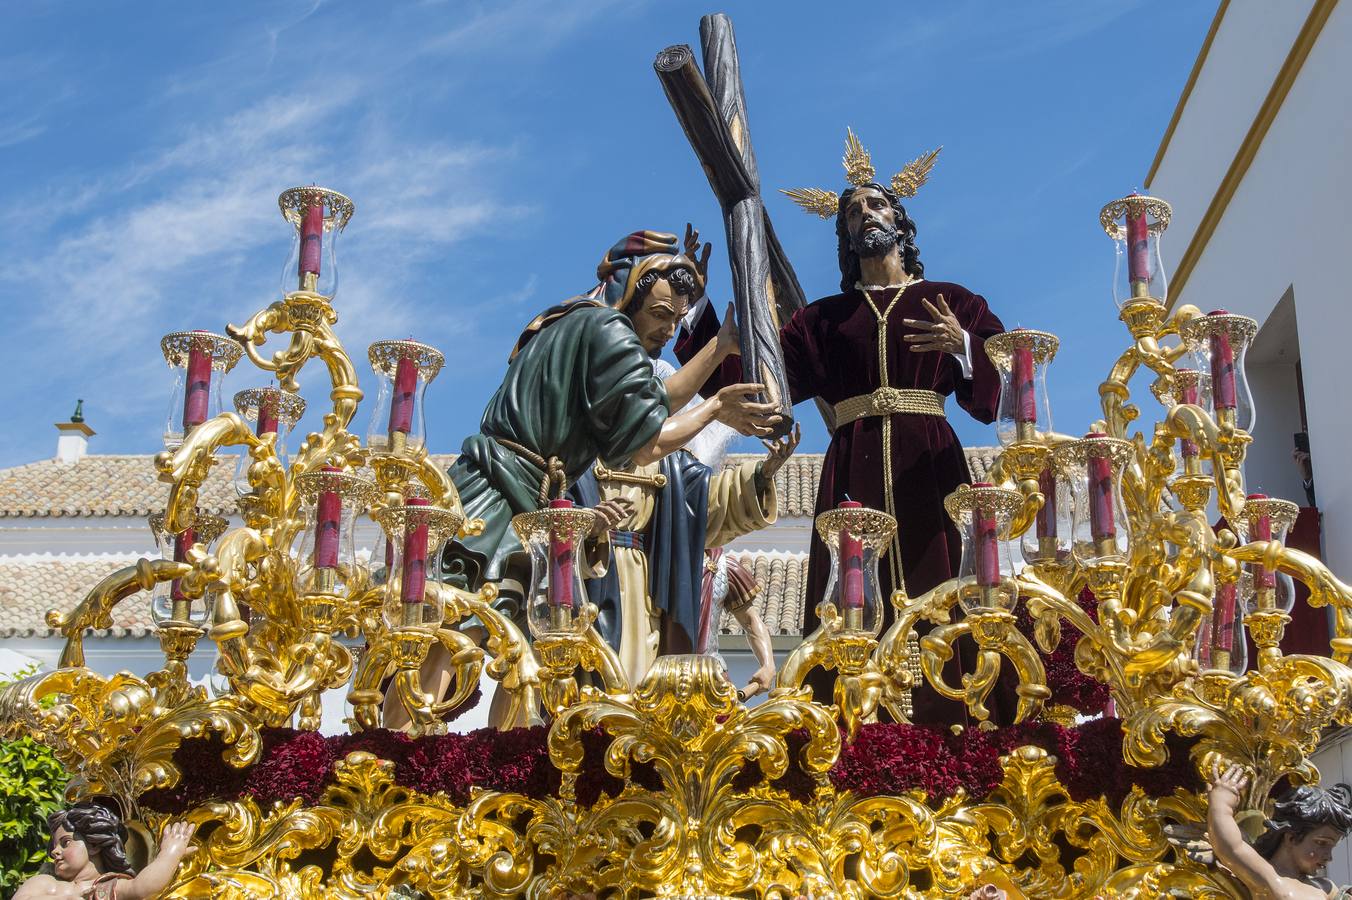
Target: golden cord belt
895	394
886	401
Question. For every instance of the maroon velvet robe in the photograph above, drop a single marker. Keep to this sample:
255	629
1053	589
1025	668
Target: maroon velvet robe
831	351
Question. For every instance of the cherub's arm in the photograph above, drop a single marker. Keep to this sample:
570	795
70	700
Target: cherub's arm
157	876
1235	853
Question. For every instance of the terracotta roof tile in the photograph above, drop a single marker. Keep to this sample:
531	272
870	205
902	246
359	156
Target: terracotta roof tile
103	486
797	480
128	485
782	578
28	590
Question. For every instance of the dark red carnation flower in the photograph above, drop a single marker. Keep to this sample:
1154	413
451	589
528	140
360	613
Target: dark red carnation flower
205	776
513	761
293	764
593	779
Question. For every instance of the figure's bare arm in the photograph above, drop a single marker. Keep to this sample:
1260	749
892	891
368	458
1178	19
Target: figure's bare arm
732	406
687	380
158	875
758	636
1236	853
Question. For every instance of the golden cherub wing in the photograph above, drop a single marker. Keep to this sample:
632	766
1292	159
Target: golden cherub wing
909	180
815	200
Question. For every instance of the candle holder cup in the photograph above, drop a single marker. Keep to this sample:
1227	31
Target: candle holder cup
1191	387
986	574
414	535
177	602
856	537
1219	343
553	538
200	360
273	412
326	554
1136	223
1220	636
404	368
1022	356
318	216
1100	528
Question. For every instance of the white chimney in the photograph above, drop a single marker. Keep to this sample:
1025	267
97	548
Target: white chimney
73	440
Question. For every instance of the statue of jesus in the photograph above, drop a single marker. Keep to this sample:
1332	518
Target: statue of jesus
885	352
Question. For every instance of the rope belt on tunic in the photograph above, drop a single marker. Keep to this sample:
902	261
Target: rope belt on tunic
886	401
881	402
553	475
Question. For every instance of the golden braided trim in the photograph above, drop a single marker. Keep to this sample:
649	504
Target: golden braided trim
886	401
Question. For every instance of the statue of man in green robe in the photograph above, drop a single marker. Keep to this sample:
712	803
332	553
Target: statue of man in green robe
580	388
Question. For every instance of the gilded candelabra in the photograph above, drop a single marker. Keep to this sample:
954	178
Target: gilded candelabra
672	787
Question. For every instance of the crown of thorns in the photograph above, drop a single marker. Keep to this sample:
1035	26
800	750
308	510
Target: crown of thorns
859	171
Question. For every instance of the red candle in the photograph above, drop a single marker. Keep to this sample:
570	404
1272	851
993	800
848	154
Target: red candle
197	389
267	413
183	542
1026	407
1261	528
1222	367
328	514
1223	625
311	240
415	557
560	564
1189	395
1138	250
985	544
851	564
401	404
1101	524
1046	517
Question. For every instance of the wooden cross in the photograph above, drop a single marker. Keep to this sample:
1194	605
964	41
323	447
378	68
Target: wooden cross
765	289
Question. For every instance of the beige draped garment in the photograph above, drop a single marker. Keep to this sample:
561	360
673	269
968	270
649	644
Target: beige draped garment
735	509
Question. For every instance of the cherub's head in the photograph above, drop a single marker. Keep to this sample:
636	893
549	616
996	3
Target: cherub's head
1306	824
87	833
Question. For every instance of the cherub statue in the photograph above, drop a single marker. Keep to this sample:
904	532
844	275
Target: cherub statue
1285	862
89	862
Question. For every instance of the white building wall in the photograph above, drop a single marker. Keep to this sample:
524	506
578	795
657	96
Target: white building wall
1245	56
1286	227
1280	252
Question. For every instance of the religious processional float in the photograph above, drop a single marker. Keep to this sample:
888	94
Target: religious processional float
1090	574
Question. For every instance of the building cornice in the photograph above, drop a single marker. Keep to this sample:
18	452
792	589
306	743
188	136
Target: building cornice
1187	90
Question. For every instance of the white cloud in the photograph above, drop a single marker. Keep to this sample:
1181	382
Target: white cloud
185	233
12	133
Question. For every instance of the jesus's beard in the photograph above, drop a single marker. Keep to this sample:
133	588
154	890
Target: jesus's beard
877	241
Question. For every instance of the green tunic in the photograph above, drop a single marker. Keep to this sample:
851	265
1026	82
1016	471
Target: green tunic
582	389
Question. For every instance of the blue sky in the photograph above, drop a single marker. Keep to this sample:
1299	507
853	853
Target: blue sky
494	150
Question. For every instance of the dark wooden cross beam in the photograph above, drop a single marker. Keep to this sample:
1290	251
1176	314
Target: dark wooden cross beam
713	114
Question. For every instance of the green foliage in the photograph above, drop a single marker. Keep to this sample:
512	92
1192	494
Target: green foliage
32	783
